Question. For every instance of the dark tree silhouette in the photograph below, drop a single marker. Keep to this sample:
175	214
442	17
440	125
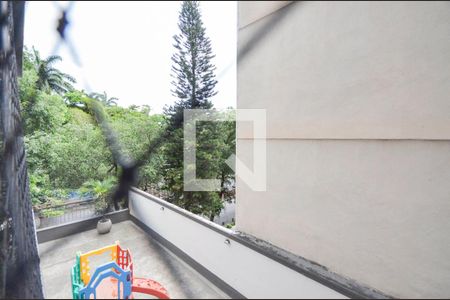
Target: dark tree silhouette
50	78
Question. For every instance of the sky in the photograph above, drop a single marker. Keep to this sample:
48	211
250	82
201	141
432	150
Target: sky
125	48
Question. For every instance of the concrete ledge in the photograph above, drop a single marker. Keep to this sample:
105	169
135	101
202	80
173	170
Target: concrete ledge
345	286
60	231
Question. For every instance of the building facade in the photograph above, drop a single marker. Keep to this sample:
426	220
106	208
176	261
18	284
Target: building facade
357	97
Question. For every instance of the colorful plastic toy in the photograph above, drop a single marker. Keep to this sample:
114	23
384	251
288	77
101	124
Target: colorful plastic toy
113	279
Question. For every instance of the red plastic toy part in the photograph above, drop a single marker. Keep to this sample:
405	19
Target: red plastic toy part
149	287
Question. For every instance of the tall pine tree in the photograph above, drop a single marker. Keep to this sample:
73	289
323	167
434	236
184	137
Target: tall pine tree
193	86
193	70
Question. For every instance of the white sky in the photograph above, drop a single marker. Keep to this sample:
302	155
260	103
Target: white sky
125	47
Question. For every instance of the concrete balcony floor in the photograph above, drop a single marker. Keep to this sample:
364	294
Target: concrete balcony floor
150	260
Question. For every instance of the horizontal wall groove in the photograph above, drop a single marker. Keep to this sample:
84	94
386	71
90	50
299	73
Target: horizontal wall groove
346	139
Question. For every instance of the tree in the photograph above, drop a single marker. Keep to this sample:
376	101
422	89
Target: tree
40	110
71	155
50	78
79	99
102	190
193	86
135	130
103	98
227	175
65	145
193	73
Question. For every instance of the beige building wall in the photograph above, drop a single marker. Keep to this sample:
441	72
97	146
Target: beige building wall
358	151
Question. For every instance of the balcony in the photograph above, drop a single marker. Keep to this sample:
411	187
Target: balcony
151	260
190	256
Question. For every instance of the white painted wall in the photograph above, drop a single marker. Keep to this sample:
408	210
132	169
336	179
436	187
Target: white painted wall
358	108
252	11
247	271
344	70
374	211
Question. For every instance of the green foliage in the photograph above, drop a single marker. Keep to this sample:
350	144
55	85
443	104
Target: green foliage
227	131
39	188
51	208
80	100
103	98
71	155
66	148
27	87
28	59
78	154
42	196
193	72
102	190
41	111
230	225
51	212
49	78
135	130
80	117
194	86
45	113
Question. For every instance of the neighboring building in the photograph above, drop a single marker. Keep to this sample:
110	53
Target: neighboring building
358	147
227	214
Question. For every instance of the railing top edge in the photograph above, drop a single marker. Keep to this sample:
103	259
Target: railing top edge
68	203
186	213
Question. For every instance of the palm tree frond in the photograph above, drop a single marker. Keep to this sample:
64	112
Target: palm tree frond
50	78
69	77
52	59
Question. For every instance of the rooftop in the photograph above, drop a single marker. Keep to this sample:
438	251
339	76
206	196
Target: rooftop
150	260
190	256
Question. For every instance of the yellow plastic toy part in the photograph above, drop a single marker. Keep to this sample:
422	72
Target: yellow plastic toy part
84	260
